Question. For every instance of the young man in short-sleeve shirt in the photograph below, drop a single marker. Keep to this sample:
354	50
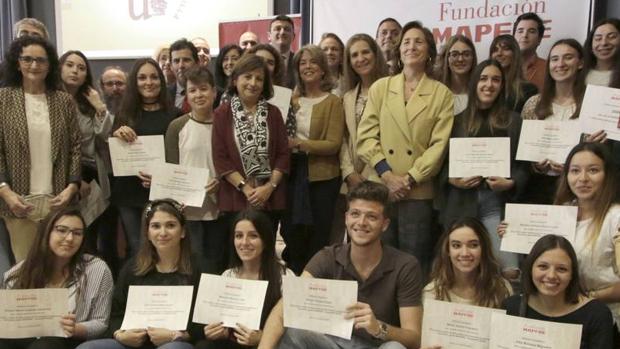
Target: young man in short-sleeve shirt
388	311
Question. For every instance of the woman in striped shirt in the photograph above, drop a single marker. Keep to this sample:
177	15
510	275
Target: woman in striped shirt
57	260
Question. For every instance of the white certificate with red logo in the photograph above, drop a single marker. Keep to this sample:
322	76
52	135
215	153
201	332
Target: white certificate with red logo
129	158
158	306
510	332
230	300
600	110
456	326
318	305
528	223
479	156
33	313
553	140
181	183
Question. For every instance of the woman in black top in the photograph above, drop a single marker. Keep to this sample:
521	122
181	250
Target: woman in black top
145	111
552	292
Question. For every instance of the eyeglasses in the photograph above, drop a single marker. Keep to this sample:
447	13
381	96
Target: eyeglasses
63	231
456	54
114	83
28	60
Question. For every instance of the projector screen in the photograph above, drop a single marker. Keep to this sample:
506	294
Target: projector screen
134	28
480	20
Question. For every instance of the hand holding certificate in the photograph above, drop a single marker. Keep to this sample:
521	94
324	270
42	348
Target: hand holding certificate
547	140
33	313
319	305
453	325
129	158
158	306
479	156
600	110
231	301
509	332
183	184
528	223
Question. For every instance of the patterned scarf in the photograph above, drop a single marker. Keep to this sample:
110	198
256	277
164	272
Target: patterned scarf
252	138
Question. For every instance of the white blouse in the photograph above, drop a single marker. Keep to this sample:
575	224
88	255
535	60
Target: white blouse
39	143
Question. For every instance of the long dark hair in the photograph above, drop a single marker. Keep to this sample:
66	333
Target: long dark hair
80	97
587	46
37	269
270	268
513	76
544	244
11	74
499	115
221	80
490	286
131	106
544	107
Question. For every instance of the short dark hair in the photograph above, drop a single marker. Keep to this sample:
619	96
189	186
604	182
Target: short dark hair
197	75
182	44
430	41
371	191
247	63
544	244
283	18
388	19
530	16
13	77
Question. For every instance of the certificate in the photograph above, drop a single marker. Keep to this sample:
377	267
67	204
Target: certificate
281	99
184	184
600	110
479	156
513	332
551	140
33	313
528	223
129	158
230	300
94	204
158	306
454	326
318	305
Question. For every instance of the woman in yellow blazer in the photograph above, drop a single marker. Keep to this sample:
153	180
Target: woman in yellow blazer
403	134
315	168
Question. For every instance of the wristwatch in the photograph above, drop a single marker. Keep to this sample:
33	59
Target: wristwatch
241	185
383	331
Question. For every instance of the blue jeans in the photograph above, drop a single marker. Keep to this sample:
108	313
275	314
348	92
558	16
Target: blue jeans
5	249
131	217
490	213
110	343
210	241
298	339
410	230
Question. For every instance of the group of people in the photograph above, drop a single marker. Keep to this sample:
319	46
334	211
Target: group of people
363	148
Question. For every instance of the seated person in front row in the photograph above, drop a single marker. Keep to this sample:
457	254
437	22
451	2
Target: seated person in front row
388	313
57	260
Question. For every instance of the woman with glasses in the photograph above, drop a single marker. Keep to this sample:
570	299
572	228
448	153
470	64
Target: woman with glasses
457	62
164	259
39	141
57	260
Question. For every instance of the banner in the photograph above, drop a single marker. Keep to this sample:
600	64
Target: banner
480	20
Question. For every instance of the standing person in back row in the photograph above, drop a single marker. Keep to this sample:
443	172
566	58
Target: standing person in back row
281	35
529	30
403	135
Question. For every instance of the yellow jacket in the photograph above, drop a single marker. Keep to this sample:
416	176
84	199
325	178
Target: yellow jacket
412	138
